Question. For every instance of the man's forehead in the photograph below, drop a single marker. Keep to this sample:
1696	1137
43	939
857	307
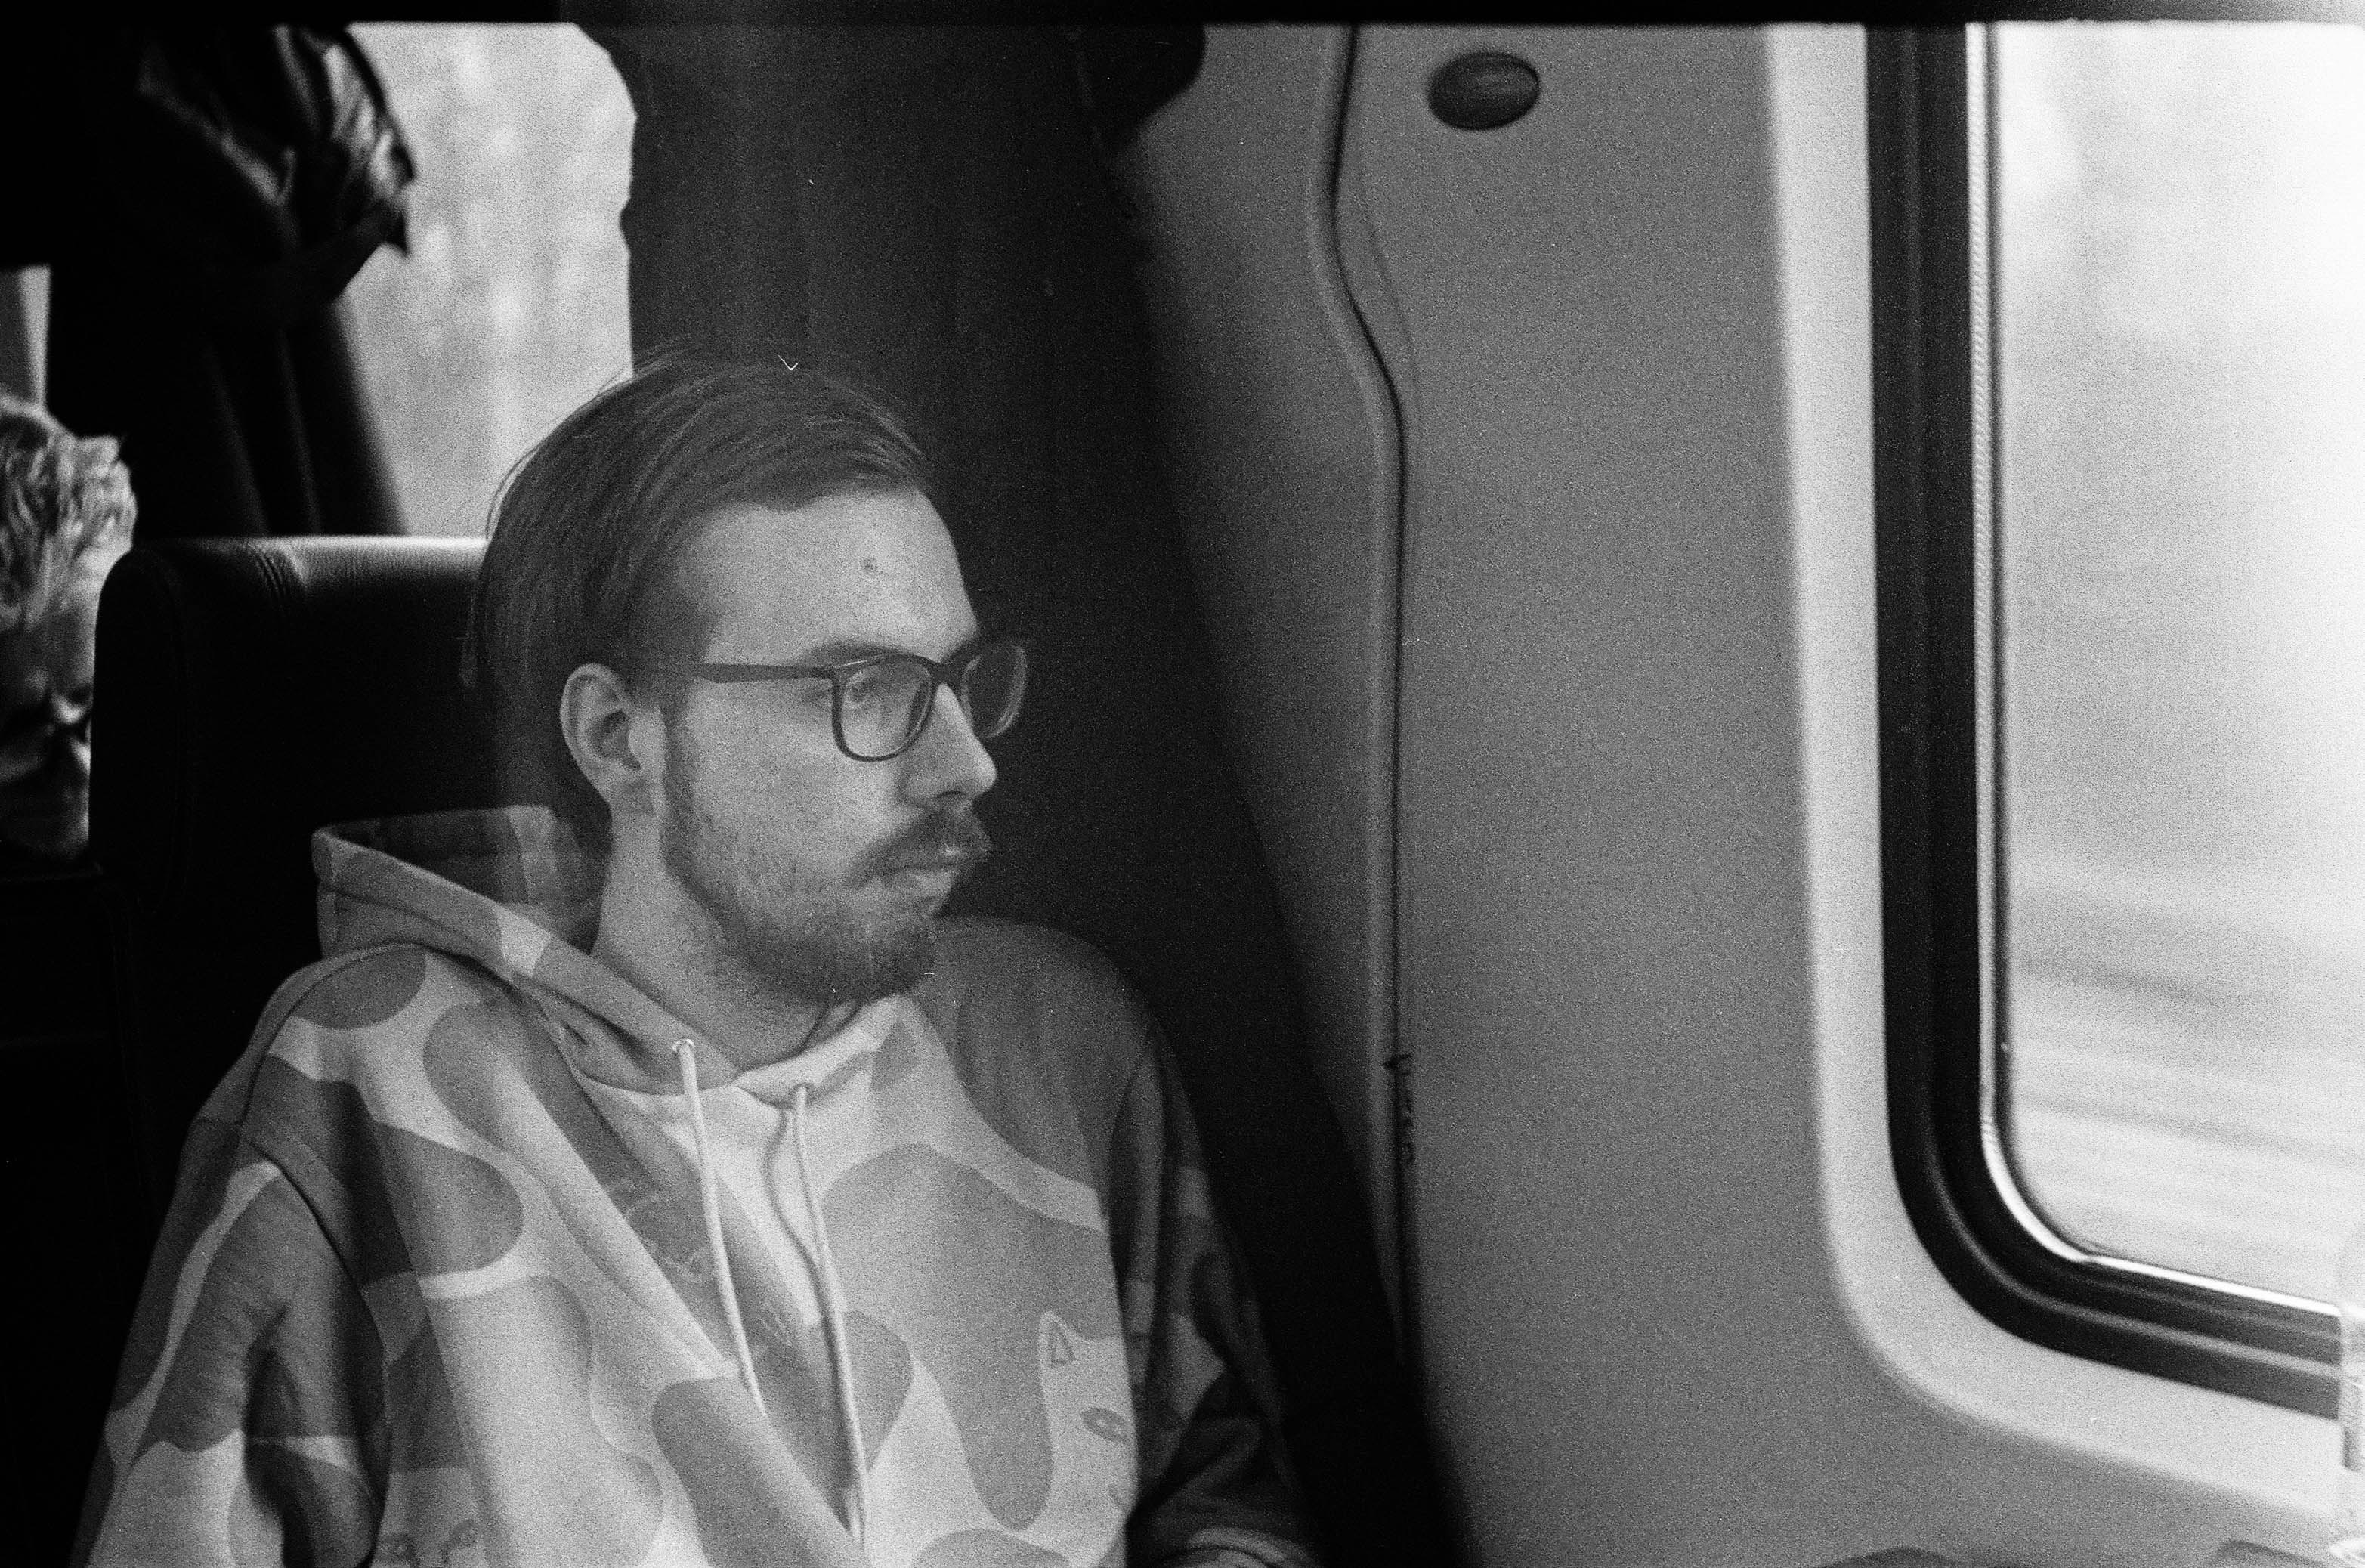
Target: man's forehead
847	566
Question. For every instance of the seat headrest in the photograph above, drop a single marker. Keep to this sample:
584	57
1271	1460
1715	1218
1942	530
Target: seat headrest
250	690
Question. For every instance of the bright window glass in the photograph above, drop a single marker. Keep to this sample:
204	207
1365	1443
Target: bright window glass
2179	293
511	308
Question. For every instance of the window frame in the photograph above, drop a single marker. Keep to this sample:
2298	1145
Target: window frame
1932	442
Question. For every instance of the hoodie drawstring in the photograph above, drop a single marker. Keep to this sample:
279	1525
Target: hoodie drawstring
833	1306
833	1295
685	1055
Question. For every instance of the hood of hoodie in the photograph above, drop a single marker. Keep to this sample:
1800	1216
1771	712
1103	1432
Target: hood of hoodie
514	891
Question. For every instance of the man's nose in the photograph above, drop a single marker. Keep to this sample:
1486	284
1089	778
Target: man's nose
950	760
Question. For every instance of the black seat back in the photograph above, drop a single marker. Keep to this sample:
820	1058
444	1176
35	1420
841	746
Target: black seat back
251	690
71	1215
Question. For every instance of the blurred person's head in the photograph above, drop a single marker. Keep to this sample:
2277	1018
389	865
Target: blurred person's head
66	512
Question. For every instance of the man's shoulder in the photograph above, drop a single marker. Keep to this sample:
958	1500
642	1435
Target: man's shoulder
987	947
1033	969
339	1017
1003	984
370	987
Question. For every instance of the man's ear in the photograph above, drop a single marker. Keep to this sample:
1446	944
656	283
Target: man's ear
617	742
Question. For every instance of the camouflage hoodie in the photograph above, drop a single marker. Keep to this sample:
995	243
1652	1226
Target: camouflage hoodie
438	1286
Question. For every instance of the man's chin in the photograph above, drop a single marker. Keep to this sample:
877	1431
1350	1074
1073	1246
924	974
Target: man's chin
888	964
863	954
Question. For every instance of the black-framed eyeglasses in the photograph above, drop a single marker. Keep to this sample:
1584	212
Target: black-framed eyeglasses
879	705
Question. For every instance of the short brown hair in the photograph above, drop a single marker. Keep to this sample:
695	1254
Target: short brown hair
589	526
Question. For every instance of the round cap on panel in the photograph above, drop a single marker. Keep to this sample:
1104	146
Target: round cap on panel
1482	90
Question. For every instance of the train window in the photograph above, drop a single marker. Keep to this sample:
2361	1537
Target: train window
2180	650
509	308
2124	794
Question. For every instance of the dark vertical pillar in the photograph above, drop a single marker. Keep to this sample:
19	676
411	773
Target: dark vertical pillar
927	208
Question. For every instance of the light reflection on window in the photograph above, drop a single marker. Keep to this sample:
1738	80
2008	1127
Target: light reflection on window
511	308
2180	513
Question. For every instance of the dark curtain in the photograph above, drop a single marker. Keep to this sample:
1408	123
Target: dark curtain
927	208
202	197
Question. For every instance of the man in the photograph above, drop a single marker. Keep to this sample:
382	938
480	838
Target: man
701	1198
66	514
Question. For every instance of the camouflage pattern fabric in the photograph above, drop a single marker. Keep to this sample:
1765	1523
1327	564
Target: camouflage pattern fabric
436	1288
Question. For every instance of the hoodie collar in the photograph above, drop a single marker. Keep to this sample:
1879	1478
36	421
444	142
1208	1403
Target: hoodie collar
512	889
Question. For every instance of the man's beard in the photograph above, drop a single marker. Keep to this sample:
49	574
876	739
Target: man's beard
798	932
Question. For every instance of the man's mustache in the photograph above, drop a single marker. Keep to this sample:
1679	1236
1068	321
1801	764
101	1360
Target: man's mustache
949	839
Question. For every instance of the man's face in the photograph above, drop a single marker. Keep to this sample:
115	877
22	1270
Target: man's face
819	876
45	669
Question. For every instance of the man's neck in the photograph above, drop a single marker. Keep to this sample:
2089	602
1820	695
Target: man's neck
661	950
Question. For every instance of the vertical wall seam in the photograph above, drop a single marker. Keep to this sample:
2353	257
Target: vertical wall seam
1361	345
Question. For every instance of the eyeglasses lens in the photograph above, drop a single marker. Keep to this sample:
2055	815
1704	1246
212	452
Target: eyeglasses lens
882	706
992	687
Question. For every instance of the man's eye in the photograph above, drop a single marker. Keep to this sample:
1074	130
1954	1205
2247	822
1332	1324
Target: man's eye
866	689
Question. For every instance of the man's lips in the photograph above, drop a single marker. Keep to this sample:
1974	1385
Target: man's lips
945	846
932	873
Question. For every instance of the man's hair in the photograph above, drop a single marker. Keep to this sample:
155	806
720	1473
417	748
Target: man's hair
590	528
66	512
